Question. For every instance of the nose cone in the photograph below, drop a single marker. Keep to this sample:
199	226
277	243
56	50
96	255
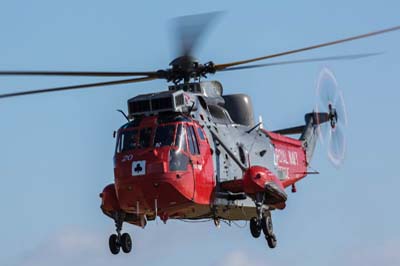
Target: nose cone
109	200
158	193
146	185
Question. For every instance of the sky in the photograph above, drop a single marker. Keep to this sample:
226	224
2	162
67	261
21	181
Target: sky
56	149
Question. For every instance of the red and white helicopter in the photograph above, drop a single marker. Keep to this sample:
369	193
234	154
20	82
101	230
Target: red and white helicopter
194	152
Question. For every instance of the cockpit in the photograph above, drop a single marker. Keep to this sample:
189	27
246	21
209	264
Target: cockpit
134	139
177	137
133	136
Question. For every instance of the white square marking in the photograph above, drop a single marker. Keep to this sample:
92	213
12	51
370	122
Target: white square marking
138	168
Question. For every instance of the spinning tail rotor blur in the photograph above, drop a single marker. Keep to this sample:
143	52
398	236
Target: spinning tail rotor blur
330	100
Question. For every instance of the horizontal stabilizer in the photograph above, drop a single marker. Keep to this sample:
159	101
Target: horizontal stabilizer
317	119
291	130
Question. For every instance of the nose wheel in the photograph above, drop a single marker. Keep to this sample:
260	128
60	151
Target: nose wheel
118	241
114	245
123	241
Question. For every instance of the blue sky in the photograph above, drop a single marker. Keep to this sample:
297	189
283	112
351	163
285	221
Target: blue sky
56	149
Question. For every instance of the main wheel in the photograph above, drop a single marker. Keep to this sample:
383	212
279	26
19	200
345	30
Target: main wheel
126	243
255	227
271	240
266	223
113	243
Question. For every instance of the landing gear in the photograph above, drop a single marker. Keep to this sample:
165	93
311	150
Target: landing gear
263	222
268	229
118	241
126	243
123	241
255	227
266	223
271	240
113	243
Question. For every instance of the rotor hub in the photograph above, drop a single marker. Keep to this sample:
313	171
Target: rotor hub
184	62
186	68
333	116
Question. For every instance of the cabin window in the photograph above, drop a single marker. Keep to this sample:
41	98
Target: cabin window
201	134
164	136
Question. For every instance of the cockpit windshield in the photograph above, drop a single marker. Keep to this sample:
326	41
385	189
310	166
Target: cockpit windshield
127	141
164	136
145	137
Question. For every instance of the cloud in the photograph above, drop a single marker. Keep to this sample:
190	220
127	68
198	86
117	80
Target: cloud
238	258
387	254
157	245
71	246
183	244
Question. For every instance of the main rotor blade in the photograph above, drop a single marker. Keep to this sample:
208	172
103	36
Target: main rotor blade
220	67
76	73
330	58
190	29
74	87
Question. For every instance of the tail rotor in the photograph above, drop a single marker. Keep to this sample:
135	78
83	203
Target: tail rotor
330	100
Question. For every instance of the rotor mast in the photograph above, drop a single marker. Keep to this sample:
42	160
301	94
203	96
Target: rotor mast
185	68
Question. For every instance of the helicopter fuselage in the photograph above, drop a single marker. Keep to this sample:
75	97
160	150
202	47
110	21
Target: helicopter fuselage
194	161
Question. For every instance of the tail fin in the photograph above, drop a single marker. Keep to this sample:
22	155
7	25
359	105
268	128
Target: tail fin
309	132
309	136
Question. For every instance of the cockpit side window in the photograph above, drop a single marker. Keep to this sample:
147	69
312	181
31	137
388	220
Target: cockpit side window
178	158
164	136
180	140
195	142
193	146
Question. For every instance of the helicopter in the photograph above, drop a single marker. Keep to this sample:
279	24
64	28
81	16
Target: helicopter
192	152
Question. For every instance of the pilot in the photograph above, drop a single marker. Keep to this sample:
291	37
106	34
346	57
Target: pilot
132	142
165	139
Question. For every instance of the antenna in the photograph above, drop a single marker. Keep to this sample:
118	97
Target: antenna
123	113
260	121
